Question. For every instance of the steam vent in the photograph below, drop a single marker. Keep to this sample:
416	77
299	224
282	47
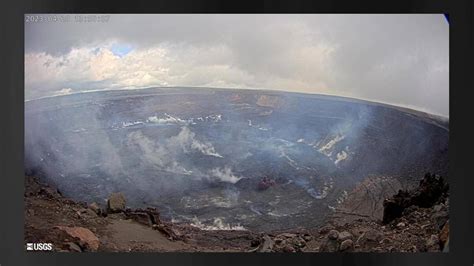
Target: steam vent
241	159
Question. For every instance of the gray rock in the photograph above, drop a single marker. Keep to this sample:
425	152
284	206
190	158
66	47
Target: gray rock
385	241
433	243
288	249
440	218
401	225
344	235
95	207
326	229
298	242
410	209
287	235
438	208
116	202
346	245
369	236
307	238
278	240
74	247
330	245
90	213
267	245
333	234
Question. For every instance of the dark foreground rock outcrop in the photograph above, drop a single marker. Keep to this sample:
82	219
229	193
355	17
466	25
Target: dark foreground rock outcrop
432	189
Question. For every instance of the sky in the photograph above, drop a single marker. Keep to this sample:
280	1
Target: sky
396	59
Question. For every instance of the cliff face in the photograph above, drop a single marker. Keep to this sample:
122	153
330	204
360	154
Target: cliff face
421	225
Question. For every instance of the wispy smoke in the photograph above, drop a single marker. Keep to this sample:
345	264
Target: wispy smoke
164	154
225	175
186	139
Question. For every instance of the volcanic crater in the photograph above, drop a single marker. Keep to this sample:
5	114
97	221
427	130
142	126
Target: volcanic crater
230	159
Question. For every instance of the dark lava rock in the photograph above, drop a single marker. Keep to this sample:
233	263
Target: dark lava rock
431	190
265	183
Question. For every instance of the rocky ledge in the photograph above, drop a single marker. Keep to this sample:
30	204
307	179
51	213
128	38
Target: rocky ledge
414	220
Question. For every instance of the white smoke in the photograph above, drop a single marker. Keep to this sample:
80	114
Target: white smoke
225	175
163	155
152	153
186	139
327	148
340	156
218	224
168	119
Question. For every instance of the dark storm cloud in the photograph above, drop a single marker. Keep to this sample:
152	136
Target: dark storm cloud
399	59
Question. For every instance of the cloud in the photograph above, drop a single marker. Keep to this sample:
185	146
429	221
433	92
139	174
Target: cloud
398	59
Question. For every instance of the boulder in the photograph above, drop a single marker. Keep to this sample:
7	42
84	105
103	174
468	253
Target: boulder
116	202
96	208
288	249
87	239
307	237
330	245
267	245
333	235
326	229
344	235
346	245
401	225
370	236
86	214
